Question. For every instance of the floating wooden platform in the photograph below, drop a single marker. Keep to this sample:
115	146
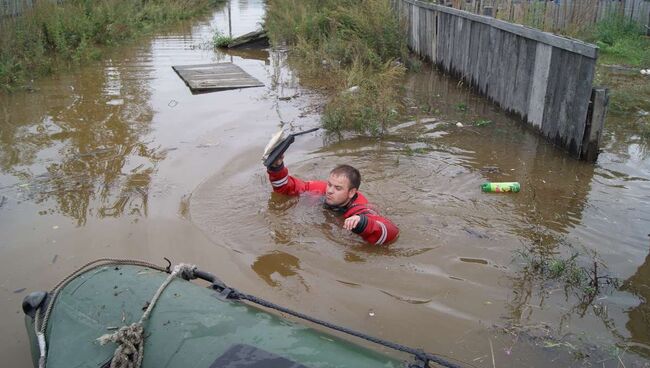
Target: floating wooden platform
215	77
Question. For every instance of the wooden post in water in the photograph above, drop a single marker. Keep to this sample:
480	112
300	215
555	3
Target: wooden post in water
595	124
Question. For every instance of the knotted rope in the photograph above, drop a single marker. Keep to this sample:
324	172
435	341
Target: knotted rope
130	339
41	326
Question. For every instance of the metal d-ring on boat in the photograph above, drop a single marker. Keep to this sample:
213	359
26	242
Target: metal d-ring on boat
124	313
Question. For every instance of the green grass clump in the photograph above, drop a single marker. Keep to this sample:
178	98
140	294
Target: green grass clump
621	41
51	34
221	40
339	44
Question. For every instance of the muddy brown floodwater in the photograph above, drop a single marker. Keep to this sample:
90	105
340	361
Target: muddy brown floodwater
119	159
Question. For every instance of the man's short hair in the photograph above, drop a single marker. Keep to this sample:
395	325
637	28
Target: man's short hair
349	172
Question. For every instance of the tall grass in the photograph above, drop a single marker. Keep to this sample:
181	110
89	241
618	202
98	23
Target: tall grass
340	44
621	41
48	35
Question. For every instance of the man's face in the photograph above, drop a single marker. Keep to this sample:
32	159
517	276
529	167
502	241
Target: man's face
338	190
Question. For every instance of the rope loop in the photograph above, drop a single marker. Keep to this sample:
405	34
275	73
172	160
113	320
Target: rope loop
130	346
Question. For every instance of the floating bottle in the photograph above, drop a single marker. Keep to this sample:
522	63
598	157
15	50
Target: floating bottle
504	187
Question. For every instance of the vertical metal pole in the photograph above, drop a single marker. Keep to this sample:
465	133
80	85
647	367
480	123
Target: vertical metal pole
229	20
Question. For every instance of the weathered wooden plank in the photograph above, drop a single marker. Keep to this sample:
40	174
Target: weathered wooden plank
465	39
595	124
484	58
474	51
548	38
431	35
440	38
511	56
566	130
580	104
525	73
215	77
539	84
493	63
423	31
456	48
555	94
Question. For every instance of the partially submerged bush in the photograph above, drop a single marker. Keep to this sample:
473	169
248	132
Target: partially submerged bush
221	40
339	44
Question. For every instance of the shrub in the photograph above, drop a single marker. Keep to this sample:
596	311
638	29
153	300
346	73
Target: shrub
339	44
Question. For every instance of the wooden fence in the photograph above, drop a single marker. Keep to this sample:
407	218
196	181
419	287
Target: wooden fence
13	8
564	16
543	78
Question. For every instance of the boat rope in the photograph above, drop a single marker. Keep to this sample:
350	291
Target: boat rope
130	339
422	358
40	327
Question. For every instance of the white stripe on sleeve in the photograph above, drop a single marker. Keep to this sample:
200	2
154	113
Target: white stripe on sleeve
281	182
384	233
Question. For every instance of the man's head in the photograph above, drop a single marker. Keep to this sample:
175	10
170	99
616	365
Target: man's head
342	185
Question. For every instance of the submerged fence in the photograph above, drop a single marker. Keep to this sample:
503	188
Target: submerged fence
557	15
543	78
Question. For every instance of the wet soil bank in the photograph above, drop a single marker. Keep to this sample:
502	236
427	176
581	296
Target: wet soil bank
119	159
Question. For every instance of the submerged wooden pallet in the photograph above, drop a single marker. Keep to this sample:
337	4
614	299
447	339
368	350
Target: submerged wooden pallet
215	77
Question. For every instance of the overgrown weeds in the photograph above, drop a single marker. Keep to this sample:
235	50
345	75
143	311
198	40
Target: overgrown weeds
354	50
221	40
73	31
621	41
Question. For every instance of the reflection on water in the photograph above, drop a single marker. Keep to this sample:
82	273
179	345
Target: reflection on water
80	151
639	322
280	263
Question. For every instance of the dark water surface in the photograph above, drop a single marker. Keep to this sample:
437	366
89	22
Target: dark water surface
119	159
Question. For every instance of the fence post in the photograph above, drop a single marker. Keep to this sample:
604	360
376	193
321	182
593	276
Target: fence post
488	11
595	123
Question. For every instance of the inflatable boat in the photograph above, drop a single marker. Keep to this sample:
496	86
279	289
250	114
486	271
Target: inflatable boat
121	313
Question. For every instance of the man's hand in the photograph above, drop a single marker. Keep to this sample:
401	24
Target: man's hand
278	162
351	222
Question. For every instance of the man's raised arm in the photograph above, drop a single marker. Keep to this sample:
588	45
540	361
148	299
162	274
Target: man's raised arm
286	184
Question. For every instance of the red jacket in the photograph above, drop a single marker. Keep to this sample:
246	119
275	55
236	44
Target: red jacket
372	227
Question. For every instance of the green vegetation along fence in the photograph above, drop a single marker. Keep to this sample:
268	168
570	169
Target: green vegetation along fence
564	16
543	78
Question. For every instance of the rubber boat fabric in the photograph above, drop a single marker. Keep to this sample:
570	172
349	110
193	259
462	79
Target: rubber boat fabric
130	314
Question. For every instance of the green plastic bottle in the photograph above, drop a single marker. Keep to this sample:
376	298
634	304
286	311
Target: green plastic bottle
505	187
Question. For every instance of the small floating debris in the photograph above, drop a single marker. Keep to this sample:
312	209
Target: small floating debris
18	291
504	187
252	39
353	89
459	124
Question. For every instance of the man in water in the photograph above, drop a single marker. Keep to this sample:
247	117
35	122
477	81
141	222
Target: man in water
341	191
